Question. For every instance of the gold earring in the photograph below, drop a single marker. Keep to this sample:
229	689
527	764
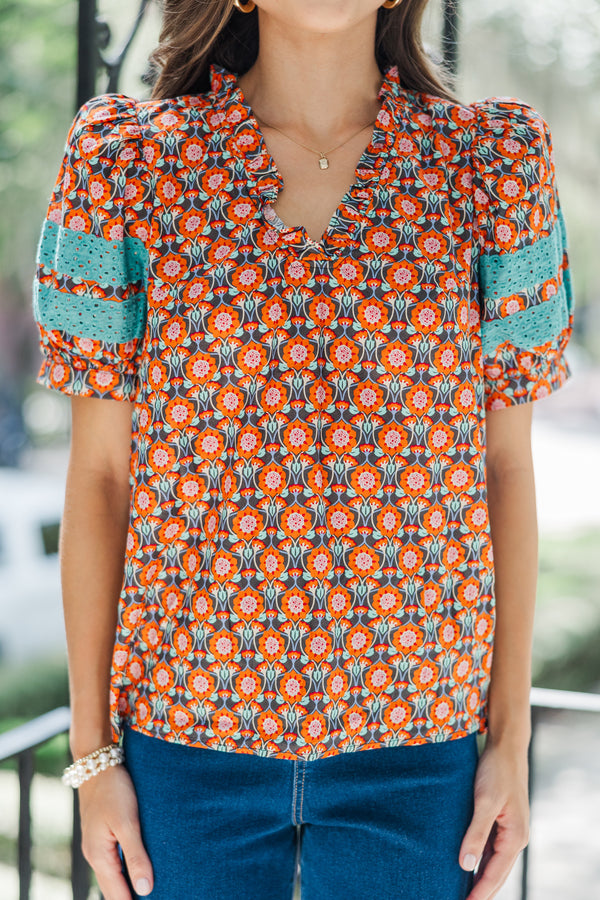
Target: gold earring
246	8
390	4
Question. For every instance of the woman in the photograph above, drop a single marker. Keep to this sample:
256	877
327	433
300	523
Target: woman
277	538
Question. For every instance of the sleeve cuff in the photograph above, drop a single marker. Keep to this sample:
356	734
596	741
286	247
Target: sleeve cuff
82	378
521	376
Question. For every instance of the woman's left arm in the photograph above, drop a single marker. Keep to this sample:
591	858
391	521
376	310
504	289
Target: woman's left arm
499	828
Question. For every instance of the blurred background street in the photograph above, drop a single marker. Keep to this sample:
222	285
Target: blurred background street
546	52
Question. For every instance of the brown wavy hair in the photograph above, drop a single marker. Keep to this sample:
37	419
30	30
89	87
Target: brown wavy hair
196	33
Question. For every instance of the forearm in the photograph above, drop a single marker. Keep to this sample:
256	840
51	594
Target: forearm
513	522
93	536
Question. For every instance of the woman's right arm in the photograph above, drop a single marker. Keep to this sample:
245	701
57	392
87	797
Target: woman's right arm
92	556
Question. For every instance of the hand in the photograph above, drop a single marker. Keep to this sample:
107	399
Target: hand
499	829
109	816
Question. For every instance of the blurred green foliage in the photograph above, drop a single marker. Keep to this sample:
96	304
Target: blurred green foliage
37	68
567	626
31	689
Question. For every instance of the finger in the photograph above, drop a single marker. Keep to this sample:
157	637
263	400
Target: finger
137	860
477	834
498	859
488	852
106	864
495	873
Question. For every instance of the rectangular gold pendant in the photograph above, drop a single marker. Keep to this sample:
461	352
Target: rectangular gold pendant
324	162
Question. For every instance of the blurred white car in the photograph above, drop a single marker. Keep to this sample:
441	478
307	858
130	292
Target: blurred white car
31	617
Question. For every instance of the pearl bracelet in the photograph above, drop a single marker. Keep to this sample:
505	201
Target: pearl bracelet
92	764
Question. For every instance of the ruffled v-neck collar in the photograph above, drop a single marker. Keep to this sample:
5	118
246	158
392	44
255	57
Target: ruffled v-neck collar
236	117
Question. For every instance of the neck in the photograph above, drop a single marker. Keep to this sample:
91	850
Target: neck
315	86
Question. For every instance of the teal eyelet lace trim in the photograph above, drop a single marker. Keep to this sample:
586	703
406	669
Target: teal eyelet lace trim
502	274
524	272
114	265
528	328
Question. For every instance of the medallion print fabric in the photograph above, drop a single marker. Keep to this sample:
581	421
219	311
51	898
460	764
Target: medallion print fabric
309	567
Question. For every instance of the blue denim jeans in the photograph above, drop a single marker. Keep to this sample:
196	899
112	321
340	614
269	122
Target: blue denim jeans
385	823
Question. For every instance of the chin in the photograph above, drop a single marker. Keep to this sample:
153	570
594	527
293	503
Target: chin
319	16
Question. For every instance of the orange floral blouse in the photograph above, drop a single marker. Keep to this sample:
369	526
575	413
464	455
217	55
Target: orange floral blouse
308	567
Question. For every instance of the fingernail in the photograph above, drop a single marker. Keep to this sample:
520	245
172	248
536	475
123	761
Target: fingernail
469	861
142	886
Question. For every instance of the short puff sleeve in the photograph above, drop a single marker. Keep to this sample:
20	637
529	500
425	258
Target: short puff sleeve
89	289
524	285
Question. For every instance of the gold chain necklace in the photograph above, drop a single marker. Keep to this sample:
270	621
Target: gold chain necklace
323	161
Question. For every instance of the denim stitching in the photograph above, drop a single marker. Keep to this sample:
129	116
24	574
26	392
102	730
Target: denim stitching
302	787
294	819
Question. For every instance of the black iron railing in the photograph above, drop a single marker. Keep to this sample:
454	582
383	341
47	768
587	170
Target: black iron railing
450	42
542	701
93	38
22	741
